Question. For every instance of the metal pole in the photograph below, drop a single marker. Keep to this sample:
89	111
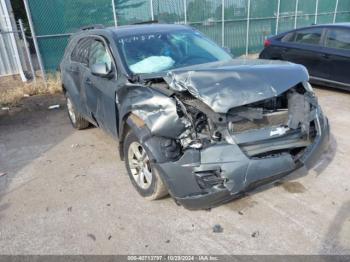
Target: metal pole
185	10
335	11
247	30
222	23
152	11
296	13
114	14
27	49
31	25
278	16
316	11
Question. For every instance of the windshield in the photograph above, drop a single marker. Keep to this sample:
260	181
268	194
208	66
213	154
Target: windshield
157	52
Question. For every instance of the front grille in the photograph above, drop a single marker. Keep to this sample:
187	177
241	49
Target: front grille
273	126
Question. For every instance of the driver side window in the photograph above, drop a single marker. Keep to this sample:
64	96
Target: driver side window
100	55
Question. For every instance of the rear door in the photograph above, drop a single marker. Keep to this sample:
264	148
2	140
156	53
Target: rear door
337	43
100	92
77	69
306	48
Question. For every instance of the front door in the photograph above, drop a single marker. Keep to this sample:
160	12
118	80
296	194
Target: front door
100	91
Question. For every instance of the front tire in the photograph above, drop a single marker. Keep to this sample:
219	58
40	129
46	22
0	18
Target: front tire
143	175
76	119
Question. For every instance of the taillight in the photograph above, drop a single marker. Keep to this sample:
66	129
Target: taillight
267	43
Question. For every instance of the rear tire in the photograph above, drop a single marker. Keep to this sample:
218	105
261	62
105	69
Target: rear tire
144	177
76	119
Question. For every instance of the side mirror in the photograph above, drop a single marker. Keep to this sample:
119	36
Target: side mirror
100	69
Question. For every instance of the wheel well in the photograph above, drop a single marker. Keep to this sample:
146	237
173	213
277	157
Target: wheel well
124	131
129	122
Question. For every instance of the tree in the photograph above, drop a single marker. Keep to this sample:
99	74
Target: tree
19	12
18	9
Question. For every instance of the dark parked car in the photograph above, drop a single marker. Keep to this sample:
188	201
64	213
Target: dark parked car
190	120
323	49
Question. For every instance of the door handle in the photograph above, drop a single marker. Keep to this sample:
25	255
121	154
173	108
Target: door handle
326	56
88	81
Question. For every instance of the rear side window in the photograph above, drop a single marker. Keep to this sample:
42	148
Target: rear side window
310	36
80	53
338	39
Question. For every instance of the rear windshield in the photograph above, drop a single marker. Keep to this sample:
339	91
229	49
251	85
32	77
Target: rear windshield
157	52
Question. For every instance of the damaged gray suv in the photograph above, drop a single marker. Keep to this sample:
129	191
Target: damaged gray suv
190	120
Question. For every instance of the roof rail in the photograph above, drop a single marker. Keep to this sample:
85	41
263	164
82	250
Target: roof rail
90	27
146	22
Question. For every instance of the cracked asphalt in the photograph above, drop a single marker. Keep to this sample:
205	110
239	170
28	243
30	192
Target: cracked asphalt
66	192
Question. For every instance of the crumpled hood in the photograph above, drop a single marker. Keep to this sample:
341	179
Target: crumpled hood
238	82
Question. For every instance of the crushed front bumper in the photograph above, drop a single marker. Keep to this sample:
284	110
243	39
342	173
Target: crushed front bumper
237	172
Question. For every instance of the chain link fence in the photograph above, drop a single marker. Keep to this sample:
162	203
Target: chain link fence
241	25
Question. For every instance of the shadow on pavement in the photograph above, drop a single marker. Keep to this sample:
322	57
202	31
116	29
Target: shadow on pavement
27	131
337	240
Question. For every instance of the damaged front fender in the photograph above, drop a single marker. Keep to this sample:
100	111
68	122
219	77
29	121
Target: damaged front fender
158	111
